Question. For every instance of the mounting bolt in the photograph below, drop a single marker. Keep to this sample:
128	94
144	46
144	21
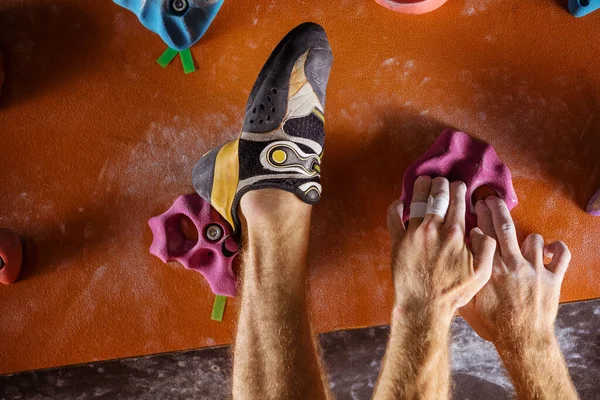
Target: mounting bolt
179	5
213	232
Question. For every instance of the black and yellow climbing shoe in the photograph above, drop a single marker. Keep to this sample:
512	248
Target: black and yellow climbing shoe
281	143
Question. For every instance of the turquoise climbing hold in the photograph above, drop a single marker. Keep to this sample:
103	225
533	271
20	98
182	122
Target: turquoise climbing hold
581	8
180	23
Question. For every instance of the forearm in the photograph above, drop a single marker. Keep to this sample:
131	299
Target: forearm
537	367
416	363
275	353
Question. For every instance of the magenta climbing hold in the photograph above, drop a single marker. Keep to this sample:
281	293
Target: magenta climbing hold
593	206
211	254
458	157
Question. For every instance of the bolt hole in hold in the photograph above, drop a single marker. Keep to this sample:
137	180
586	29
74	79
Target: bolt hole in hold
184	236
268	117
274	91
202	259
272	109
269	99
188	229
215	368
260	121
1	263
584	3
251	121
482	193
254	111
262	106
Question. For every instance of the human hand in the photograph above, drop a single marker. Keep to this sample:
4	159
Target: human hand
432	267
521	299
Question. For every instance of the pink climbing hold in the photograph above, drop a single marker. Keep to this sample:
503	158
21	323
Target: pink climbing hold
458	157
593	206
211	254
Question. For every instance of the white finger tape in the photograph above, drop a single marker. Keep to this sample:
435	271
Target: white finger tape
417	209
437	206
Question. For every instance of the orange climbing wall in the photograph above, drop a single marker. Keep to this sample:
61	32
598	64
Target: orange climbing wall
97	138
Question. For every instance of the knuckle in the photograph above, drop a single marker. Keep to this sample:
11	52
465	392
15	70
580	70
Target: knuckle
562	246
489	242
507	228
535	238
455	231
429	228
487	239
520	268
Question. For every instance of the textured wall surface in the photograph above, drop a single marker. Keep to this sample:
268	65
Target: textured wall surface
352	359
97	138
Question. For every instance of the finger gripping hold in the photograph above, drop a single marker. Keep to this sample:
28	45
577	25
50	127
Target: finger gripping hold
418	209
437	206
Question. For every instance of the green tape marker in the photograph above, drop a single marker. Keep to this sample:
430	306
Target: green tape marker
187	61
218	308
167	57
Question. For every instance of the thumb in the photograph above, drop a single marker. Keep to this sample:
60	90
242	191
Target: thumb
395	225
483	248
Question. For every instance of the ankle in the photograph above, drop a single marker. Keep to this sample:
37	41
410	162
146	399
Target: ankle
272	208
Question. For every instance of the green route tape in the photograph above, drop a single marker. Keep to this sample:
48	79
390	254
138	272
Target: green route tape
187	61
167	57
218	308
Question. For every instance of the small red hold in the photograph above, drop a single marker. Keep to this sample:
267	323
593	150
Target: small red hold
11	256
194	234
1	70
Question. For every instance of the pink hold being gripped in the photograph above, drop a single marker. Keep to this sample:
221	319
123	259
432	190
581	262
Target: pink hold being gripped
458	157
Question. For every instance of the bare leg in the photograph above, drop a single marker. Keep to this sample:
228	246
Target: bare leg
275	356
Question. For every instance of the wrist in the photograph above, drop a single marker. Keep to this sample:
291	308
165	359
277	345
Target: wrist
422	316
536	366
517	346
430	308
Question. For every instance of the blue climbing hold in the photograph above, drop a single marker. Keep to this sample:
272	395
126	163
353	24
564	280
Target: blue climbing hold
180	23
580	8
